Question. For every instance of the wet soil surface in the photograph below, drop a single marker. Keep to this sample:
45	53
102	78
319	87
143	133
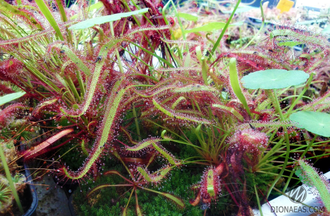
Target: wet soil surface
52	199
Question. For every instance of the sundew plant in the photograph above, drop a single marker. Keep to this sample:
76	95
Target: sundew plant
133	91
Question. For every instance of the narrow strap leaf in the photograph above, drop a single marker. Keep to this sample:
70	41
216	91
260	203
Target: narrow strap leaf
62	11
10	97
104	19
46	12
235	84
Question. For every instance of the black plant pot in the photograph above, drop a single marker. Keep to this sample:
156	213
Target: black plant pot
71	205
30	194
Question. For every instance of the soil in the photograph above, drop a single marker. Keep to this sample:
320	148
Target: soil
52	199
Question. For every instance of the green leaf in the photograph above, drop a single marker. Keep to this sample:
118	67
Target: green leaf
233	76
13	12
62	11
46	12
274	79
96	75
104	19
315	122
9	178
290	43
10	97
188	17
213	26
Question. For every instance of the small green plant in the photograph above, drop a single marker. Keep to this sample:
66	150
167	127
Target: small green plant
5	195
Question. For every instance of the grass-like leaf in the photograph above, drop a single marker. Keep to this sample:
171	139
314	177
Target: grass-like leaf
10	179
10	97
233	75
188	17
46	12
213	26
104	19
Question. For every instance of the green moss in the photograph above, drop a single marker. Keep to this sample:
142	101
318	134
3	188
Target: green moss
107	201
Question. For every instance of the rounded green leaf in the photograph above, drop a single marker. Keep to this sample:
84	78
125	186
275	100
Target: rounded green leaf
274	79
315	122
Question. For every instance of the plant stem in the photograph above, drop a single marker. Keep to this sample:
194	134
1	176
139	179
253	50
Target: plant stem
10	179
262	26
277	106
257	196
